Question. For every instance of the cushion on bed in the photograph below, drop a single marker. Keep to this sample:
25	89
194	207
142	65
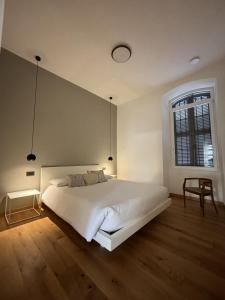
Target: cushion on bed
75	180
101	175
90	178
108	177
59	181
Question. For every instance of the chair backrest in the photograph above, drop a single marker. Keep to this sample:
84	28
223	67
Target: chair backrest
205	182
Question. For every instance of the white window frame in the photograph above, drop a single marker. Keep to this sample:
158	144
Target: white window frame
209	101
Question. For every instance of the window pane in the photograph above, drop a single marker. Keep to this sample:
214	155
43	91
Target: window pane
204	150
201	96
181	121
191	98
183	101
202	119
183	151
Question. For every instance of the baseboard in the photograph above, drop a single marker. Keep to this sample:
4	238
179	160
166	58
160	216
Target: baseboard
172	195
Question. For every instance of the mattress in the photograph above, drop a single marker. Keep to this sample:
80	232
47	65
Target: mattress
108	206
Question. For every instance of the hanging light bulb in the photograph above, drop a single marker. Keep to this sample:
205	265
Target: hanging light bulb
110	158
31	156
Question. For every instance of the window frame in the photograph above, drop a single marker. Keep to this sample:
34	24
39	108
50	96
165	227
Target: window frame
209	101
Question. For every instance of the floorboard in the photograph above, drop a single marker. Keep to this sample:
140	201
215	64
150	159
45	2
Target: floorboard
178	255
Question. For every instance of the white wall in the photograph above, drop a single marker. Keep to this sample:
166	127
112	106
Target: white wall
142	127
2	4
139	134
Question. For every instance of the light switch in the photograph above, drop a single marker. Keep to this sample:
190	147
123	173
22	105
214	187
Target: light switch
30	173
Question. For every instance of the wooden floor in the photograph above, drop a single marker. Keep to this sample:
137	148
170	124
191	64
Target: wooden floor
179	255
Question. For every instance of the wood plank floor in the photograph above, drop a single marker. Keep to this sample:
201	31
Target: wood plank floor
179	255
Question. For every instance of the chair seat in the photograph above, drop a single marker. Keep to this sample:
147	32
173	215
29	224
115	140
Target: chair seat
197	191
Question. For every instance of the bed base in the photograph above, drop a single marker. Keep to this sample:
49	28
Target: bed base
111	241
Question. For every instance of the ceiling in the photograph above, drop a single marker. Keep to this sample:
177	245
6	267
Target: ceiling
75	39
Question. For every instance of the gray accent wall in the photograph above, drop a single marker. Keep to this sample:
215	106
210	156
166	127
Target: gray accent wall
72	124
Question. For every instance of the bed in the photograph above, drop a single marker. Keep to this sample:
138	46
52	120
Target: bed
107	212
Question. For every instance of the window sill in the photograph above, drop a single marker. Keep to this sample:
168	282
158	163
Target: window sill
204	169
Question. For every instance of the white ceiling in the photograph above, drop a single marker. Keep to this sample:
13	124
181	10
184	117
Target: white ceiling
75	39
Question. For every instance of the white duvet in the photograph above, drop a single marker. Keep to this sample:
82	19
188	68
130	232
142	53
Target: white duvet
108	206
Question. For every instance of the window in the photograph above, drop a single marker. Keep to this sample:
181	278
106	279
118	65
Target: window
193	141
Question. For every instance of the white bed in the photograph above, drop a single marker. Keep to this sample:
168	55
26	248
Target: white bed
118	207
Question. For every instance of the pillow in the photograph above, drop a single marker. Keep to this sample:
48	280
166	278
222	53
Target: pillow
75	180
59	181
101	175
90	178
108	177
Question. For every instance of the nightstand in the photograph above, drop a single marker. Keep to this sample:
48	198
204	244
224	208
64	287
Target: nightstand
114	176
15	195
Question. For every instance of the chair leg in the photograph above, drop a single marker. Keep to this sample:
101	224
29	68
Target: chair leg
214	204
203	204
184	198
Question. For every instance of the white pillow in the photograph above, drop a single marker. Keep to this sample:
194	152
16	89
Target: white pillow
75	180
90	178
59	181
101	175
108	177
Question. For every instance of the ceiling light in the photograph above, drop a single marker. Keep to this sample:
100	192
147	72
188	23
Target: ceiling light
195	60
121	53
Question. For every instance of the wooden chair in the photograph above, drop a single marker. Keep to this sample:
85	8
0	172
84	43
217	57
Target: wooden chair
205	188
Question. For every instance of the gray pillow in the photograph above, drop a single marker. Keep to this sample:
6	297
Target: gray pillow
75	180
90	178
101	175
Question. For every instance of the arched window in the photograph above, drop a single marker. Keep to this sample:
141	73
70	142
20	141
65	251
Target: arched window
193	130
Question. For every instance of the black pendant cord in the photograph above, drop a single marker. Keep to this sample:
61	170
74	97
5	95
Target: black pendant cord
110	127
110	158
34	111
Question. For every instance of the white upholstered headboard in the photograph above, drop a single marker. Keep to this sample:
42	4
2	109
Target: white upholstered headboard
48	173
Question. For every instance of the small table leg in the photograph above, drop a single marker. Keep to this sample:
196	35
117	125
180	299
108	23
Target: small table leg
34	197
6	209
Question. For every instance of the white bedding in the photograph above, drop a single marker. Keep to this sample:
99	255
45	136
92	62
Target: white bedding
108	206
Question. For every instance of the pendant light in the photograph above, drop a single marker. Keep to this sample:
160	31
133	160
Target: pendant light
31	156
110	158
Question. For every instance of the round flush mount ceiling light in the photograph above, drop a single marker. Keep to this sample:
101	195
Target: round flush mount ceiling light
121	53
195	60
